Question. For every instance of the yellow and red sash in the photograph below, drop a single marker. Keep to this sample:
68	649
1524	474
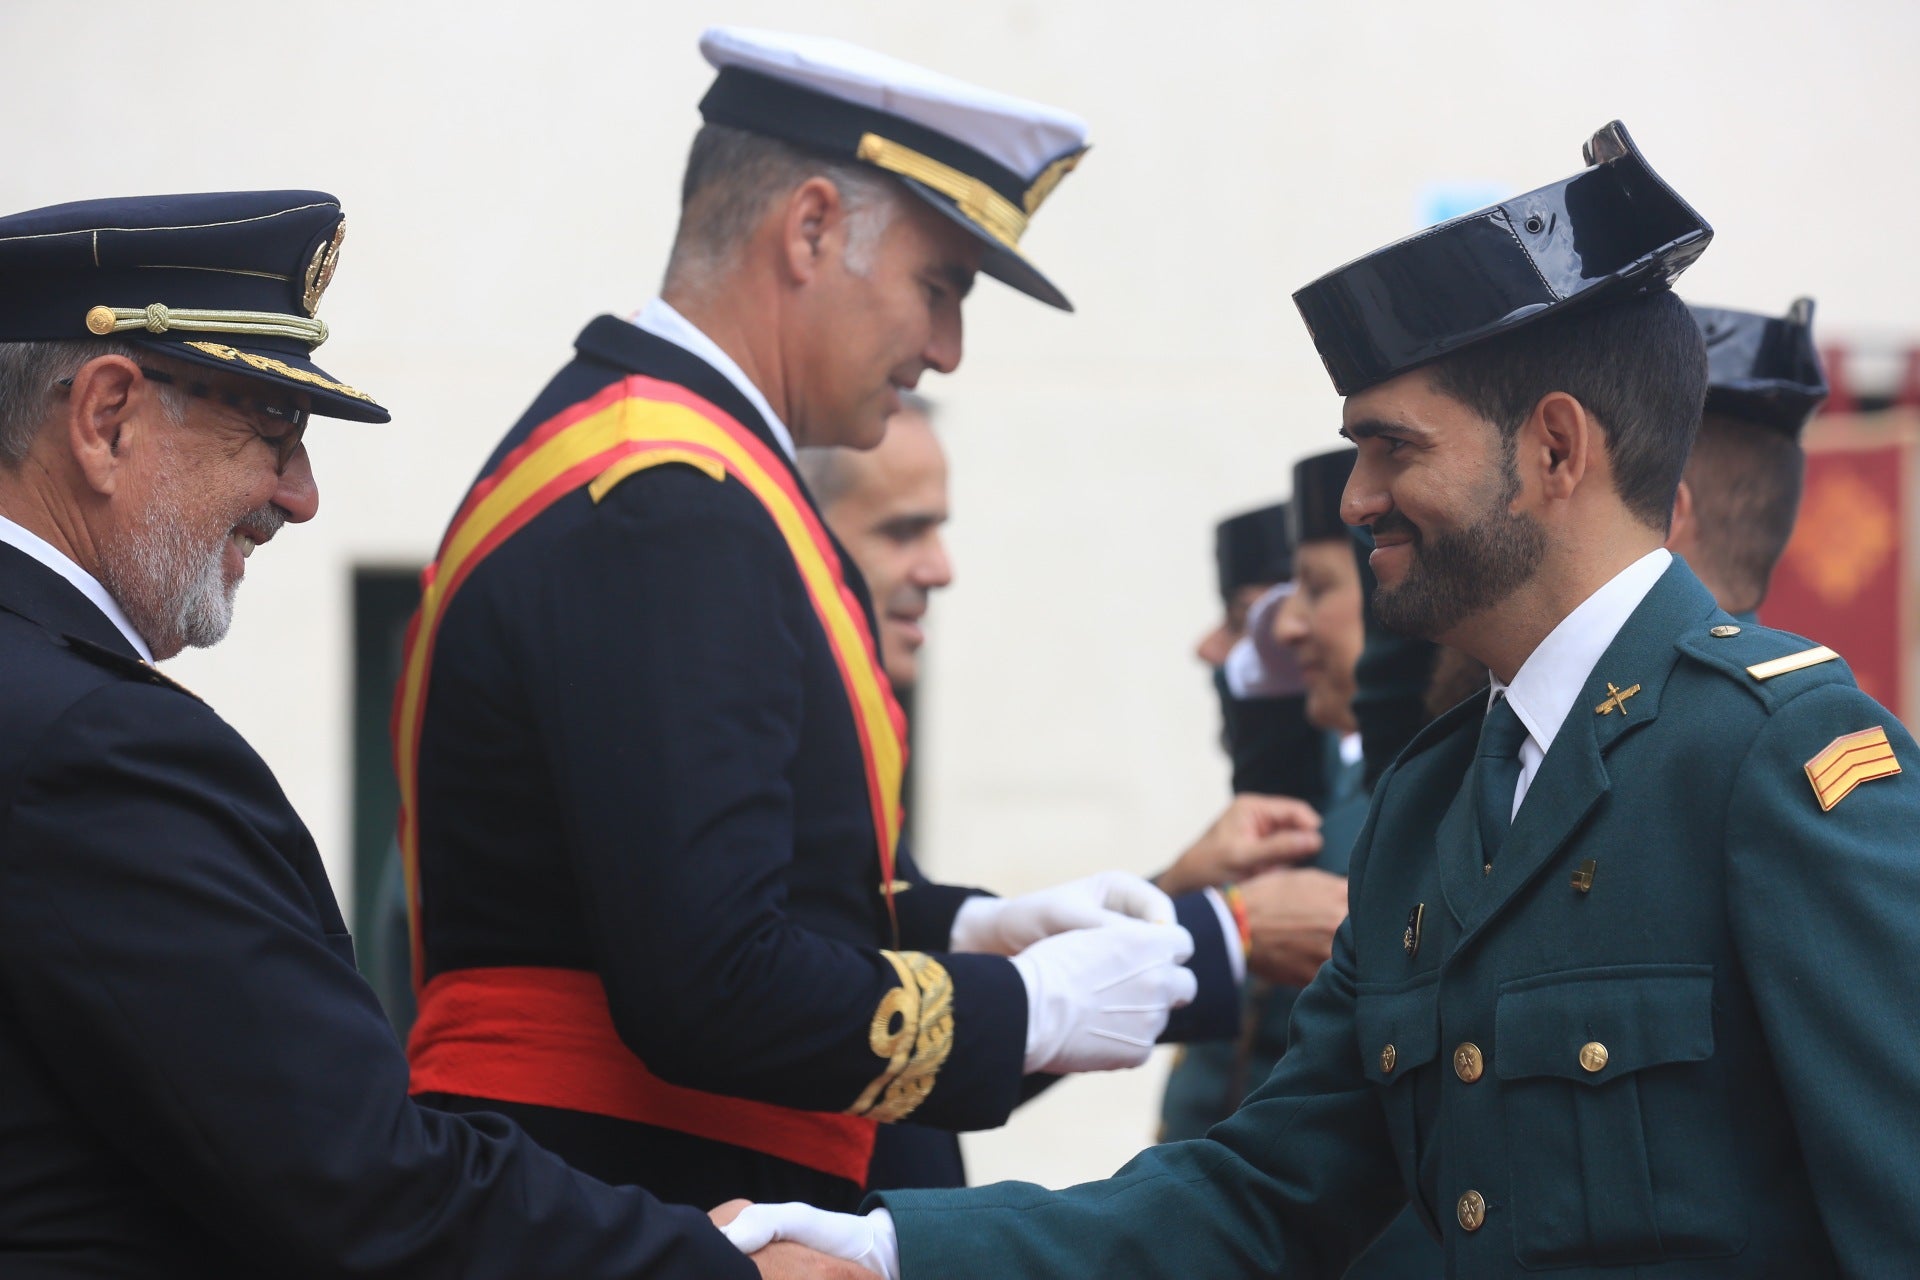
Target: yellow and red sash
545	1026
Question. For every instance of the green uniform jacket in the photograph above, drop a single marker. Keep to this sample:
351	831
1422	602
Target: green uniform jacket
1704	1065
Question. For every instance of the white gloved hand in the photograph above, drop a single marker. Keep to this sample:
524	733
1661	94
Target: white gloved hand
1008	926
1097	999
1259	665
865	1240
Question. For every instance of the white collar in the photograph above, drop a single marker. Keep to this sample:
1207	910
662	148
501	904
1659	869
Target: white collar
1549	681
24	539
662	321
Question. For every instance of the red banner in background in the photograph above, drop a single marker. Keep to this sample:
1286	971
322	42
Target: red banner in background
1847	578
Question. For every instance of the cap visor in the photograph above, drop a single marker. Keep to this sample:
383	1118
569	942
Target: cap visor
288	371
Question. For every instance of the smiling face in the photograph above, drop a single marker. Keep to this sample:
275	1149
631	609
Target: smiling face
1436	483
1322	622
877	316
889	515
196	500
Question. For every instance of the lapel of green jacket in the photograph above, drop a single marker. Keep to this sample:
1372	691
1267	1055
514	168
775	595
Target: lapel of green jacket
1572	781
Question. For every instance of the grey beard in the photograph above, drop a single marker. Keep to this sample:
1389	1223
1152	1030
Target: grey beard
173	589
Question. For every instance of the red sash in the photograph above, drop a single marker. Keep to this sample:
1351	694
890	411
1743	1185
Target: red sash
544	1036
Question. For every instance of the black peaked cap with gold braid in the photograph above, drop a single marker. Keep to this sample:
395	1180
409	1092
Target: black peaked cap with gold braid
988	164
228	280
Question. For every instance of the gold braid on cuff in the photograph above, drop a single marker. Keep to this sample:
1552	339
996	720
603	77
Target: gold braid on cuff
913	1031
157	317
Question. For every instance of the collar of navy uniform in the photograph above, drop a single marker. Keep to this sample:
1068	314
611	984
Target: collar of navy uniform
32	544
1550	680
660	319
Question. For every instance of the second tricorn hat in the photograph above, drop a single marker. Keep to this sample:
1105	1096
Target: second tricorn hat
1318	483
1763	369
984	159
1614	230
1253	549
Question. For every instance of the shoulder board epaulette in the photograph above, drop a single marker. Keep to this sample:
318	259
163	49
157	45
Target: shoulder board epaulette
635	462
1758	656
133	668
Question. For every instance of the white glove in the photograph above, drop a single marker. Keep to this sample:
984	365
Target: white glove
1008	926
867	1241
1097	999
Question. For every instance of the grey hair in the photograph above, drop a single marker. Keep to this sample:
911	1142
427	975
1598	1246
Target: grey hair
734	176
29	373
827	469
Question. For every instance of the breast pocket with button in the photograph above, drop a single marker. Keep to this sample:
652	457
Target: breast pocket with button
1591	1063
1398	1026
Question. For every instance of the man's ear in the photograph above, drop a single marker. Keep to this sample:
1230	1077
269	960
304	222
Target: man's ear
1560	440
103	419
812	212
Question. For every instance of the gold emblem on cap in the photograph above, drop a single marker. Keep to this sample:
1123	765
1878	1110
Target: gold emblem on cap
1722	631
267	364
101	321
1848	761
1049	179
320	270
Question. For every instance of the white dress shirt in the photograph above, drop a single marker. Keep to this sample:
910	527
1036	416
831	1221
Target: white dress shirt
46	553
662	321
1547	684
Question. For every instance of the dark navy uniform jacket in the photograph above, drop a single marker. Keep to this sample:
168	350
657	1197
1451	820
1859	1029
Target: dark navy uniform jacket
638	759
194	1081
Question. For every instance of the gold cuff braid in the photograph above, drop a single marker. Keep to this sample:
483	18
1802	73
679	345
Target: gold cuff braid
913	1030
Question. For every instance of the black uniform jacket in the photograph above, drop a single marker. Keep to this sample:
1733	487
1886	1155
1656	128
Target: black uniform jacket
638	759
194	1081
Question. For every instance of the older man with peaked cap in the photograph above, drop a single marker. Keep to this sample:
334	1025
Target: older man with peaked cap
649	762
194	1081
1613	998
1736	506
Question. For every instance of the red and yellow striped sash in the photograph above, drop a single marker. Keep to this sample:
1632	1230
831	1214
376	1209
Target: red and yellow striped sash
633	424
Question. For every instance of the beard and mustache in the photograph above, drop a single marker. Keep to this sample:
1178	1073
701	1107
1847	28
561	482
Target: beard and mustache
169	572
1455	573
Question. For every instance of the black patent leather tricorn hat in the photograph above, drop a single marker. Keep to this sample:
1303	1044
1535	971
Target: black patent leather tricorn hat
1253	549
1763	370
1318	483
1612	231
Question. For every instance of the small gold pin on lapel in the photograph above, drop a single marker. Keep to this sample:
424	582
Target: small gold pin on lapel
1411	938
1616	698
1583	878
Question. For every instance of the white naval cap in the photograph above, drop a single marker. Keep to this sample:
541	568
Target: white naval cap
984	159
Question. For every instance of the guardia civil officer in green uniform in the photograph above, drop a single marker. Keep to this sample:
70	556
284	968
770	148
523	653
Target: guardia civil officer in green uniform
1736	505
1615	997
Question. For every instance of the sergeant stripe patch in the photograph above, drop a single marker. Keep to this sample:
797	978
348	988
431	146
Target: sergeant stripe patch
1848	761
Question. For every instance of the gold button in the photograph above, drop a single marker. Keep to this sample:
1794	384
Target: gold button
100	321
1472	1210
1722	631
1593	1056
1388	1056
1468	1063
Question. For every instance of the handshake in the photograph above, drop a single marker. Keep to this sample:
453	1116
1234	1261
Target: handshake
1101	961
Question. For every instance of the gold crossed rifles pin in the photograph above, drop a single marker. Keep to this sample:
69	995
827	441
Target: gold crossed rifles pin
1616	698
1848	761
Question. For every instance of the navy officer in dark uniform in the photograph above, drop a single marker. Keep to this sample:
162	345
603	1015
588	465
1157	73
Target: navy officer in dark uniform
649	761
1614	998
1735	509
194	1081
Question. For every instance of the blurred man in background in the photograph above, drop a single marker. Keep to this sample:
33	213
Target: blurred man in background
1735	510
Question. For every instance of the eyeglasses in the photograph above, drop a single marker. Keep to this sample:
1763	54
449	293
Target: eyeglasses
291	416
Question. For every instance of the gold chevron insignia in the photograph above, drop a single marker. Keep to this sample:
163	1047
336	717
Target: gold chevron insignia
1848	761
1792	662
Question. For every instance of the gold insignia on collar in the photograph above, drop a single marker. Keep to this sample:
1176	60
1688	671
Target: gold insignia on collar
320	270
1616	698
1848	761
1792	662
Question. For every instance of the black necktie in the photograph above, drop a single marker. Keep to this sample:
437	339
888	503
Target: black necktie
1497	774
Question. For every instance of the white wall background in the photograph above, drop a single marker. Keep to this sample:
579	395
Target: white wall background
510	170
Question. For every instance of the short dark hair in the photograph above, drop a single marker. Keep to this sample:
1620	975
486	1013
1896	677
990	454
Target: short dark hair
1746	483
1638	366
